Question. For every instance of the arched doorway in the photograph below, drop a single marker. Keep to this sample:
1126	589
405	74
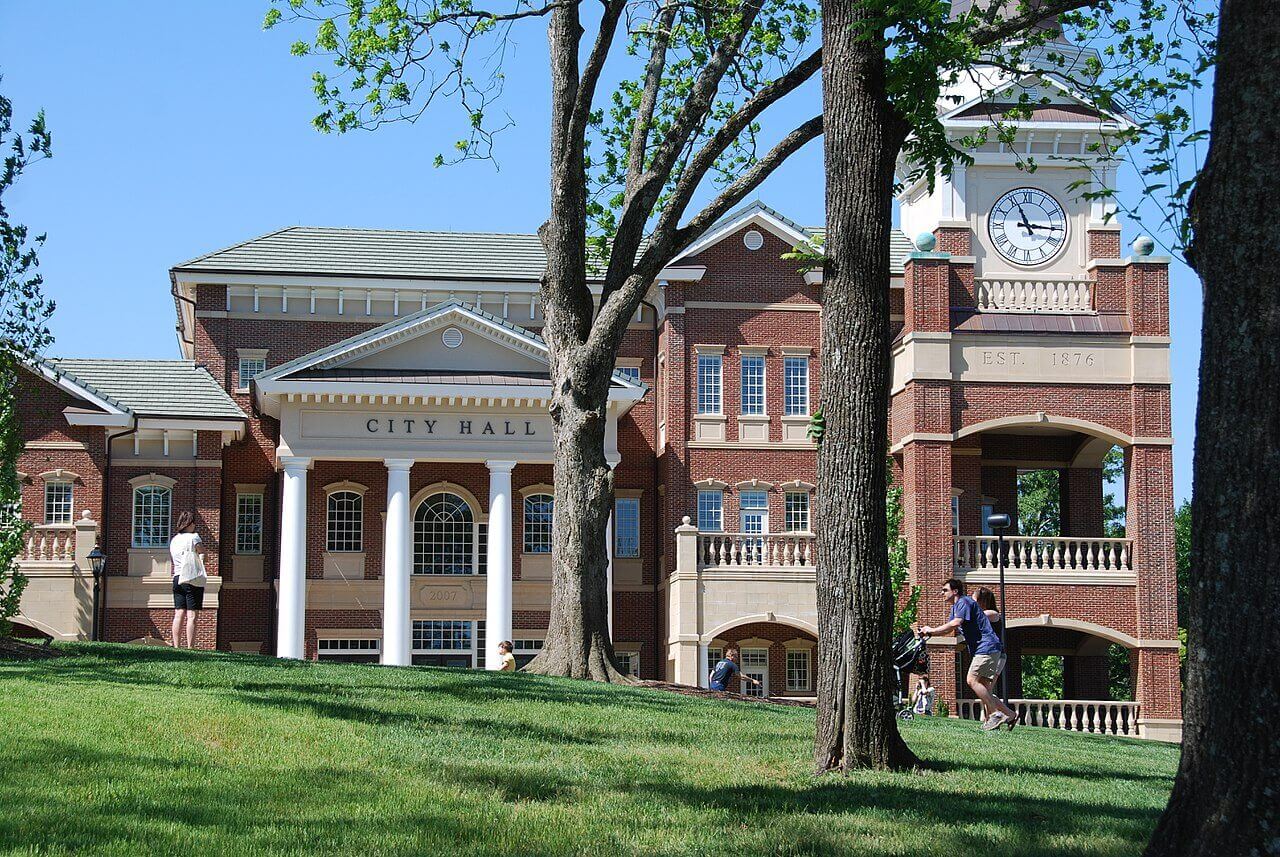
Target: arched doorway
782	657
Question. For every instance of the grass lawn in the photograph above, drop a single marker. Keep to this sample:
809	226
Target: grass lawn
131	750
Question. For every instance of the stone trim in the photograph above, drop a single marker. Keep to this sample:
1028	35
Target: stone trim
60	475
766	307
753	350
753	483
711	484
153	479
344	485
798	643
538	488
706	348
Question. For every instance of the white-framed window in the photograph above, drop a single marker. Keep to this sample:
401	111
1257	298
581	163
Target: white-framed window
353	651
628	662
755	664
797	670
752	384
250	368
448	643
538	512
710	372
955	515
58	502
248	523
632	373
151	509
711	511
626	526
482	548
795	385
345	522
443	535
988	509
525	650
796	510
713	657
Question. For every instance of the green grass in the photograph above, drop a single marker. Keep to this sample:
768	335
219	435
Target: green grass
131	750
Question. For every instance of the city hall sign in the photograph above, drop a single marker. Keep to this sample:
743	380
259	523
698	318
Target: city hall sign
410	427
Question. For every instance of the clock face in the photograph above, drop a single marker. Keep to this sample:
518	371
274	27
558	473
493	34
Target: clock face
1027	226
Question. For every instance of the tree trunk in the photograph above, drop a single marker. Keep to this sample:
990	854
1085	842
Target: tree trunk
577	643
1227	792
856	725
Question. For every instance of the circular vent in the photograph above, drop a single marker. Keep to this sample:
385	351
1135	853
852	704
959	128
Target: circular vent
452	337
753	239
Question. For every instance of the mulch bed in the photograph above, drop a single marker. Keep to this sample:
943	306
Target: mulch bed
686	690
21	650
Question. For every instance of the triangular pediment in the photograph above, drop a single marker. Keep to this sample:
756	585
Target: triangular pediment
755	214
1049	99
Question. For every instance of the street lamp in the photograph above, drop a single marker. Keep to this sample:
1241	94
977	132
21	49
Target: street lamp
97	560
998	524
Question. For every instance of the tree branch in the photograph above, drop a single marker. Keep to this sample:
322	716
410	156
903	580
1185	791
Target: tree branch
999	30
586	94
649	96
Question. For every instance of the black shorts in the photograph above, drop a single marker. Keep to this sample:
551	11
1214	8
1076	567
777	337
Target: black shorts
186	596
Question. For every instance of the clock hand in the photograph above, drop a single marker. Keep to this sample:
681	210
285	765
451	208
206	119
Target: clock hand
1024	223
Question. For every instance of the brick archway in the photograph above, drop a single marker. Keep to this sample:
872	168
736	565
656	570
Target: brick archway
777	639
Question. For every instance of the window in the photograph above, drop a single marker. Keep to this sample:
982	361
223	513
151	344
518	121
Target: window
795	385
248	523
797	670
57	502
752	384
151	505
988	509
709	374
250	368
349	651
538	509
711	511
525	651
482	548
443	536
632	373
955	515
796	506
346	522
713	657
628	662
626	526
446	643
755	664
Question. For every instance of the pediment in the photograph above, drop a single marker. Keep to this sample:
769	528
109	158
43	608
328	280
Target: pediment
1049	100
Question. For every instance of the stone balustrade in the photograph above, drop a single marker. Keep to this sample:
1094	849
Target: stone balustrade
780	550
1026	296
1091	716
1044	553
47	544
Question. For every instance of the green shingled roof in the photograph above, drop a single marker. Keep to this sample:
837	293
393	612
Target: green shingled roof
154	388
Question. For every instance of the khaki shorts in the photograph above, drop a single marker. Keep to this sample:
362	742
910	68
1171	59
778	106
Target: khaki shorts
987	667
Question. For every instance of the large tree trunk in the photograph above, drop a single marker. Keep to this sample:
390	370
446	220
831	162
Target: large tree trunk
1227	792
577	643
856	725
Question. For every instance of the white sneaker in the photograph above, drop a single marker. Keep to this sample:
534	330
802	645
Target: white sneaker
995	721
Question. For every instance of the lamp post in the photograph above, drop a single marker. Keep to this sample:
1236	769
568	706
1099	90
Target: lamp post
97	560
998	524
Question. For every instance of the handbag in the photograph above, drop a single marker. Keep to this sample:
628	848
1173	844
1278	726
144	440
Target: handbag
192	570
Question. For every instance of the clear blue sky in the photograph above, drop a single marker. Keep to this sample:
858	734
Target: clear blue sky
182	127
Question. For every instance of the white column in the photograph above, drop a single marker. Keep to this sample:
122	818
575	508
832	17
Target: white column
396	554
292	605
608	569
498	585
702	665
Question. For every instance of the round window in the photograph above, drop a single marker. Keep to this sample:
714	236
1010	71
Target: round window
753	239
452	337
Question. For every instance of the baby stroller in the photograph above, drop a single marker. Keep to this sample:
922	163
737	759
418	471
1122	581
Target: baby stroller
910	655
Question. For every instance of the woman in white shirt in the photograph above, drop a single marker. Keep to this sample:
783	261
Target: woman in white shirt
187	554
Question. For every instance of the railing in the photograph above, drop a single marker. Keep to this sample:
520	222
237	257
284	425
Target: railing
785	550
996	295
49	545
1092	716
1044	553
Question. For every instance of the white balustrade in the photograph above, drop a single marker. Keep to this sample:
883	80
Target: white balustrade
49	545
1044	553
1090	716
778	550
1000	295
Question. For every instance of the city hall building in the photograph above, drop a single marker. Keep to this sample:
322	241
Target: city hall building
359	421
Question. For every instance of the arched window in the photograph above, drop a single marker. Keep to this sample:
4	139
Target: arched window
151	505
537	523
443	535
345	529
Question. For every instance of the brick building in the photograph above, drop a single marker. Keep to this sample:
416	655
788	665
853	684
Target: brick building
359	422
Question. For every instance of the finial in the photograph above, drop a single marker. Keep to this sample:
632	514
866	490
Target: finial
1144	245
926	241
685	520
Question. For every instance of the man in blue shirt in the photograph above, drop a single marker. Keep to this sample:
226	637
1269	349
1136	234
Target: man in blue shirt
985	649
725	669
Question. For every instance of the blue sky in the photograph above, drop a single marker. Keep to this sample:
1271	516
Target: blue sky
181	128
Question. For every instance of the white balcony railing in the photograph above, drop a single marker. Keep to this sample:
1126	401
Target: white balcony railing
1044	553
1092	716
49	545
999	295
782	550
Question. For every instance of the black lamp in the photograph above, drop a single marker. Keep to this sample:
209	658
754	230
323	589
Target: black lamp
97	561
